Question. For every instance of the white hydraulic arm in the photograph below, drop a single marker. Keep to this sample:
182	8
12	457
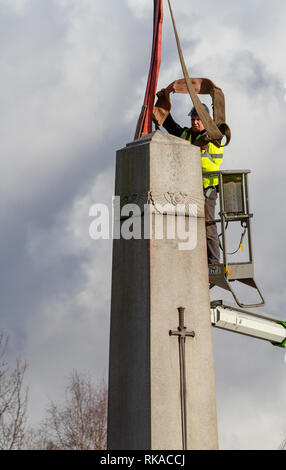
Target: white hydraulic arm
247	323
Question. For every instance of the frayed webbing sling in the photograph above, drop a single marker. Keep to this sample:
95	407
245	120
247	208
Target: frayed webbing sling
216	129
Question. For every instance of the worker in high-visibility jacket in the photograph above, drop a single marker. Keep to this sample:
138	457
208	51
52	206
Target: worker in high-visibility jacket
211	160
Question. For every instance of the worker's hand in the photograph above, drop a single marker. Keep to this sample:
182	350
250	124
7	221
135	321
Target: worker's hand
162	107
162	93
165	92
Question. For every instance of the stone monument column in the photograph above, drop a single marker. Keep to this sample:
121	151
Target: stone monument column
156	379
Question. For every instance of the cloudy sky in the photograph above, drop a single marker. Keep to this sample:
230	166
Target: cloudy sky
73	76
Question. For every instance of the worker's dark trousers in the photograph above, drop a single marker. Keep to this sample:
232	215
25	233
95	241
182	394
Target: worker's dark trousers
211	229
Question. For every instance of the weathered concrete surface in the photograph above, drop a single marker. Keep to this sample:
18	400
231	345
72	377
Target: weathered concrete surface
150	280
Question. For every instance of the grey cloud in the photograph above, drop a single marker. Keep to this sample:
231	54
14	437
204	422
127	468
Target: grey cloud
252	75
73	82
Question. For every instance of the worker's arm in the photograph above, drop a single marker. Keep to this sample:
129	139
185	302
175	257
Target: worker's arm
172	127
161	112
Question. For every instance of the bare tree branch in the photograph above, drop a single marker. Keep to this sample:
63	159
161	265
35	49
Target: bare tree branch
13	401
80	422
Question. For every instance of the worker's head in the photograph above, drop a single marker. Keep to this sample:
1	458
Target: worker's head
197	125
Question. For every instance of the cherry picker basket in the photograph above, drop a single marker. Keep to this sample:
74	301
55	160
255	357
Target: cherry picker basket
234	207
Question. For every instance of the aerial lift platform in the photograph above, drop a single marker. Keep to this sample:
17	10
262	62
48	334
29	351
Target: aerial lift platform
234	208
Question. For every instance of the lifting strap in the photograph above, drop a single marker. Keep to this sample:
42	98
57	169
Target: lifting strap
215	128
144	125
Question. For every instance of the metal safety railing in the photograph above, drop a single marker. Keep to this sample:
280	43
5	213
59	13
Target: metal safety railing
234	207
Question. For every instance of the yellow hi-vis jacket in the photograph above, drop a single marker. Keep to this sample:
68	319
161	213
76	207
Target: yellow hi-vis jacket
211	159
